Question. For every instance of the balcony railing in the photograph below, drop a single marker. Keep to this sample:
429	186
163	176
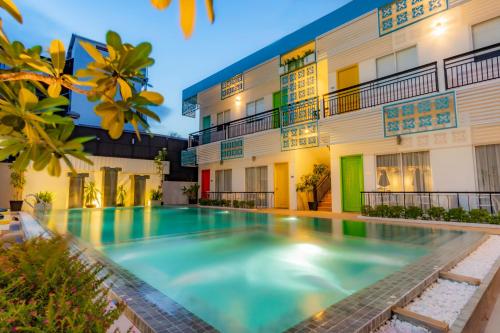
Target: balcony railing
252	124
410	83
489	201
472	67
241	199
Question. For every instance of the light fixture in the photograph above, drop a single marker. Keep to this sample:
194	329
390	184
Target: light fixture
238	100
439	28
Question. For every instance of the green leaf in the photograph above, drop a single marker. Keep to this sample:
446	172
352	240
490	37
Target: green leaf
22	161
125	90
153	97
10	150
50	103
26	97
148	113
136	56
54	90
54	167
11	8
93	52
41	160
114	40
58	56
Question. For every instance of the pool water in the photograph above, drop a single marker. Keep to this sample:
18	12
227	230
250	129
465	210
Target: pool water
248	272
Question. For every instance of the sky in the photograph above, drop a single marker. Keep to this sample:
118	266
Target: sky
241	27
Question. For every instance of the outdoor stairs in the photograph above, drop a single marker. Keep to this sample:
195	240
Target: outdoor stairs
325	205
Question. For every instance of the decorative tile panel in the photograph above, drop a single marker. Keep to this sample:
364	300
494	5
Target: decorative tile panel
188	158
300	136
232	86
401	13
420	115
231	149
299	85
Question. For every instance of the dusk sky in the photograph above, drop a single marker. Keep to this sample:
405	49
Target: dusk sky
241	27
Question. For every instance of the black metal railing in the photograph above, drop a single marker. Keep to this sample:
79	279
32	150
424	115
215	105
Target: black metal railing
252	124
299	112
425	200
472	67
240	199
410	83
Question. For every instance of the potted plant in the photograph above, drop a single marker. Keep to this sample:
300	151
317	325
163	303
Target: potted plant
308	184
17	181
91	195
121	194
156	197
44	201
192	193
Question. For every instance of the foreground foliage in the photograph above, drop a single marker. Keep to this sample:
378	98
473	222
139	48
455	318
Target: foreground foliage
45	288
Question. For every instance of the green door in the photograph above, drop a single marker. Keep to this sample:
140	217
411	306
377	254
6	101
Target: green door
352	183
206	135
276	105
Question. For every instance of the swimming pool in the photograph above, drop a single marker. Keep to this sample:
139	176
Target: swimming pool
248	272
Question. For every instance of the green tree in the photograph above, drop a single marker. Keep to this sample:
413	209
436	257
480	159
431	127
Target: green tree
33	126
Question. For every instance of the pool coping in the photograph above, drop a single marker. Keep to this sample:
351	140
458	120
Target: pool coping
152	311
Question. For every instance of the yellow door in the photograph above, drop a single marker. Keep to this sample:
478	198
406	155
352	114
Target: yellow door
349	99
281	187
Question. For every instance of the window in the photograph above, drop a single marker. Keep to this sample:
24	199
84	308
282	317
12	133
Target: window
223	117
488	168
397	62
486	33
256	179
409	172
223	180
255	107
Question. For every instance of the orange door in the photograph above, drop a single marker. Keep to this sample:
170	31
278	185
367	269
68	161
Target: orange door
348	100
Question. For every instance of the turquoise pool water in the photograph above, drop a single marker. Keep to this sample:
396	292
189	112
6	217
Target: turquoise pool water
248	272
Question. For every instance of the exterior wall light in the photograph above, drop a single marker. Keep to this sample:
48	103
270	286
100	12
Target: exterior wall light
238	100
439	28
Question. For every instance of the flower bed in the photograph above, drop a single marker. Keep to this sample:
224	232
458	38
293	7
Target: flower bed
433	213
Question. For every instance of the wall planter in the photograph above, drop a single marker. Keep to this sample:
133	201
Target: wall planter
193	201
155	203
313	205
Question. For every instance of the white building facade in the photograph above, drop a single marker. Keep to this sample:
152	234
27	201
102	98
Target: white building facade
399	99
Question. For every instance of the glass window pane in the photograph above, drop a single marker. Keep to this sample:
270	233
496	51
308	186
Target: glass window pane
250	109
488	168
389	176
228	180
417	175
486	33
259	105
386	65
406	59
220	118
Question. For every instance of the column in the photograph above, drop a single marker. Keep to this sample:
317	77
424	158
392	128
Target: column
76	188
138	189
109	185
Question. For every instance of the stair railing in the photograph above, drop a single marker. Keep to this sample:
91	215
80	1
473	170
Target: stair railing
324	186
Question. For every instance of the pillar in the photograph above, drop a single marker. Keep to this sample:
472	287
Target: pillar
76	188
109	185
138	189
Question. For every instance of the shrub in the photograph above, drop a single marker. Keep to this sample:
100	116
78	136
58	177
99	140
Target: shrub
479	216
457	214
436	213
413	212
495	219
236	204
395	211
381	211
156	195
204	202
44	288
367	210
250	204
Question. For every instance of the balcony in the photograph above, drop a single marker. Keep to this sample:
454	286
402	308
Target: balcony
410	83
472	67
299	112
252	124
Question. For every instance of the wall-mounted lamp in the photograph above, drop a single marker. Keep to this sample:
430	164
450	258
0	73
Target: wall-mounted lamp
439	28
238	100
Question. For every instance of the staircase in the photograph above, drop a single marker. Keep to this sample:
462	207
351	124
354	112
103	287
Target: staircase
325	204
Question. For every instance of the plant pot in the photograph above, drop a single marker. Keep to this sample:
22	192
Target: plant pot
312	205
155	203
120	205
16	205
192	201
41	208
90	206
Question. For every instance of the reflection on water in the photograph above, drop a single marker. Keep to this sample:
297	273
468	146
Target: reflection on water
246	272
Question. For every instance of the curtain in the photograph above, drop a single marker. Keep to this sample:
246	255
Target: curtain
256	179
488	168
223	180
389	176
417	172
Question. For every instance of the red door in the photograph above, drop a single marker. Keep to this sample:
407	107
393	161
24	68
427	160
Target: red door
205	183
